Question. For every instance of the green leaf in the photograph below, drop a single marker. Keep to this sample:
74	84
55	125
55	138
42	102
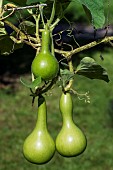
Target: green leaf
27	26
88	13
89	68
7	46
33	84
96	9
66	75
29	2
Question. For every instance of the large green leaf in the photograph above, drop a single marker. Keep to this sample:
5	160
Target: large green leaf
96	8
89	68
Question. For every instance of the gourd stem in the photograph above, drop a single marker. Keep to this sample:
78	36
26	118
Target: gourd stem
42	114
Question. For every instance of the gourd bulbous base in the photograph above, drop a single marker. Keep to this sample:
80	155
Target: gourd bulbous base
70	141
39	147
45	65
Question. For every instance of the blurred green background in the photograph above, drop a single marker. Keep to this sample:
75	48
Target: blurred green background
18	117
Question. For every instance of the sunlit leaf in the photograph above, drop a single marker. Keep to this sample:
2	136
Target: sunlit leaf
96	9
89	68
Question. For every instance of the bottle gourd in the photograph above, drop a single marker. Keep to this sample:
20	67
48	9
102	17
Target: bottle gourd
39	146
45	64
70	141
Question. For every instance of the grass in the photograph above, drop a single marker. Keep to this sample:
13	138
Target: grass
17	119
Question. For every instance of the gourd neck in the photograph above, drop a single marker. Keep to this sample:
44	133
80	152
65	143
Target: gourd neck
66	108
42	114
45	41
67	118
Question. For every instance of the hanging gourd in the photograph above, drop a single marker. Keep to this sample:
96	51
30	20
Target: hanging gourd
39	146
45	64
70	141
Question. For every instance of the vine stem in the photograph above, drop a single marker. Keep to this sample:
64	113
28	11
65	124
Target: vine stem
84	47
1	3
55	23
23	37
37	28
52	13
61	15
42	17
3	18
71	69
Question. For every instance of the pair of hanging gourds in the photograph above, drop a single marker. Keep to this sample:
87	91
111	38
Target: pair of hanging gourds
39	147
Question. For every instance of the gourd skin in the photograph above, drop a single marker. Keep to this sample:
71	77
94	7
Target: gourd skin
70	141
45	64
39	146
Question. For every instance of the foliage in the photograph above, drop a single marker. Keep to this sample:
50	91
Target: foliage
32	23
95	11
32	84
28	26
97	18
89	68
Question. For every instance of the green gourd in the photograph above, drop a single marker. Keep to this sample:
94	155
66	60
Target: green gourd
45	64
39	146
70	141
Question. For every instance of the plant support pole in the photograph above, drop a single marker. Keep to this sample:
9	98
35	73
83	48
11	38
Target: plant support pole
25	7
